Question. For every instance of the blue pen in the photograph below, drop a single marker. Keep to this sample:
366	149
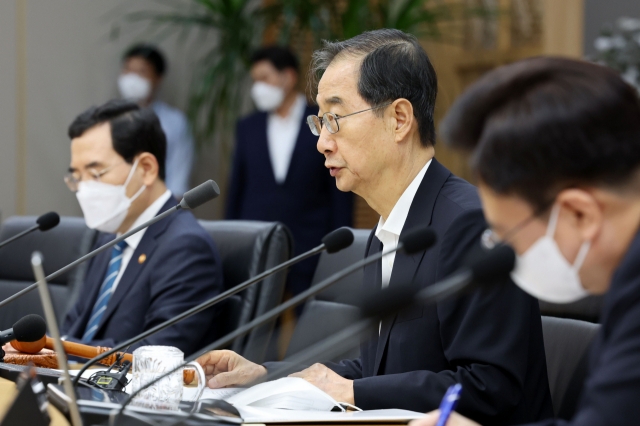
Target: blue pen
449	402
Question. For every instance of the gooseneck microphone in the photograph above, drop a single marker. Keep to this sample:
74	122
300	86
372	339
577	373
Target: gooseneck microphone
414	241
193	198
332	242
490	268
43	223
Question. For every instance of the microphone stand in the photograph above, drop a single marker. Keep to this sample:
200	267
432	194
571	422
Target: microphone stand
90	255
266	317
199	308
20	235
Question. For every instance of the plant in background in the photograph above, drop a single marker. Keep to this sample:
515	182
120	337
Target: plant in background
619	47
220	83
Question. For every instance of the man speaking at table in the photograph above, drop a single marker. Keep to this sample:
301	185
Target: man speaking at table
117	173
376	131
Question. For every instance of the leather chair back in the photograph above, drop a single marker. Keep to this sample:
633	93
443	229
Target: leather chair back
248	248
329	264
566	344
587	309
319	320
59	246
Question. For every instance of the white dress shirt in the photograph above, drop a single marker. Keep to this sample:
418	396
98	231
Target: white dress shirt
388	232
179	146
282	134
134	240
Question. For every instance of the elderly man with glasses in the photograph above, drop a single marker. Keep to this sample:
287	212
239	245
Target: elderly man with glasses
117	173
376	130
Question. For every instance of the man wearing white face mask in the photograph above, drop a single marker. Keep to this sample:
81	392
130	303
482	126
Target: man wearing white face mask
276	174
143	69
117	173
556	149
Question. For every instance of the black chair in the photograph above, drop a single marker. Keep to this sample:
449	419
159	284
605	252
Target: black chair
566	343
59	246
329	264
319	320
329	312
587	309
248	248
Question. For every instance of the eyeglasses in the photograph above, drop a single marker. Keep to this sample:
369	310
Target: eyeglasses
330	120
490	239
73	179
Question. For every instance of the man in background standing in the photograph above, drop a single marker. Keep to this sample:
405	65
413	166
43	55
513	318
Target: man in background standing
276	174
143	68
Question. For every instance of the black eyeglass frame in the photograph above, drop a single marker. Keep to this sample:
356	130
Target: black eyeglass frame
316	127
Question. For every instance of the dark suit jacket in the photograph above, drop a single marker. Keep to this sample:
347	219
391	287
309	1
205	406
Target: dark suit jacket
490	341
307	202
611	393
182	269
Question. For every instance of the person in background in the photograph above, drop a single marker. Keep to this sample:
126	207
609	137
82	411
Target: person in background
556	149
276	174
143	68
117	174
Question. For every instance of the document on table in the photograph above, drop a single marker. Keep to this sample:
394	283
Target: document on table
274	415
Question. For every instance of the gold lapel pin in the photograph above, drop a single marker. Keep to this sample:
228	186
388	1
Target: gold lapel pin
142	258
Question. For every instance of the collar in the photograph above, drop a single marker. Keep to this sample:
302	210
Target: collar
398	216
295	113
149	213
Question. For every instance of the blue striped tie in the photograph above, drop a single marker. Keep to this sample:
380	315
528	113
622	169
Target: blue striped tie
106	290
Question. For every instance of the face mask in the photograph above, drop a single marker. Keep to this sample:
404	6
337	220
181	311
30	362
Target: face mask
267	97
134	87
543	271
105	206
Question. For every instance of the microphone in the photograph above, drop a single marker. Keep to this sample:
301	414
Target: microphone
43	223
488	268
415	240
191	199
30	328
333	242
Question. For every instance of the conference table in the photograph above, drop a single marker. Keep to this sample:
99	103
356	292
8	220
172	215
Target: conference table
8	392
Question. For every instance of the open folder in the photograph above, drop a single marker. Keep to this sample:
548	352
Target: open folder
294	400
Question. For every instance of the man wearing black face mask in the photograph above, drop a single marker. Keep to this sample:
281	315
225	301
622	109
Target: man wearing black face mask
275	175
117	173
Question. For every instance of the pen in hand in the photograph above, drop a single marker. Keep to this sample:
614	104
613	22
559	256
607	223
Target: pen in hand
449	402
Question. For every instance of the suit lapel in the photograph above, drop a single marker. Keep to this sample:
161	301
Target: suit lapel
147	246
300	146
262	145
405	267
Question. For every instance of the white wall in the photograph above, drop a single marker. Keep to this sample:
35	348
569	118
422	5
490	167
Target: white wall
70	50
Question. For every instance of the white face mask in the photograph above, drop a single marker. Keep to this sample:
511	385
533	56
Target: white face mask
133	87
266	97
105	206
543	271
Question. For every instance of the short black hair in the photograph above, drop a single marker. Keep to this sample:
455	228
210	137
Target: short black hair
134	130
394	66
280	57
150	53
544	124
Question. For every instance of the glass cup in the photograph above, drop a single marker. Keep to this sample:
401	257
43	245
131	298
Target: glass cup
149	363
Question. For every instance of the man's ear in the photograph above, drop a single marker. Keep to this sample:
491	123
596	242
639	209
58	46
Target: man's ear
150	168
403	119
585	212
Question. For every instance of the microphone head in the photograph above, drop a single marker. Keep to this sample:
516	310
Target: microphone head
338	240
30	328
48	221
418	239
493	266
199	195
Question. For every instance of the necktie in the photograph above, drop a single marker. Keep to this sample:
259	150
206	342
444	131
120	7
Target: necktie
106	290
